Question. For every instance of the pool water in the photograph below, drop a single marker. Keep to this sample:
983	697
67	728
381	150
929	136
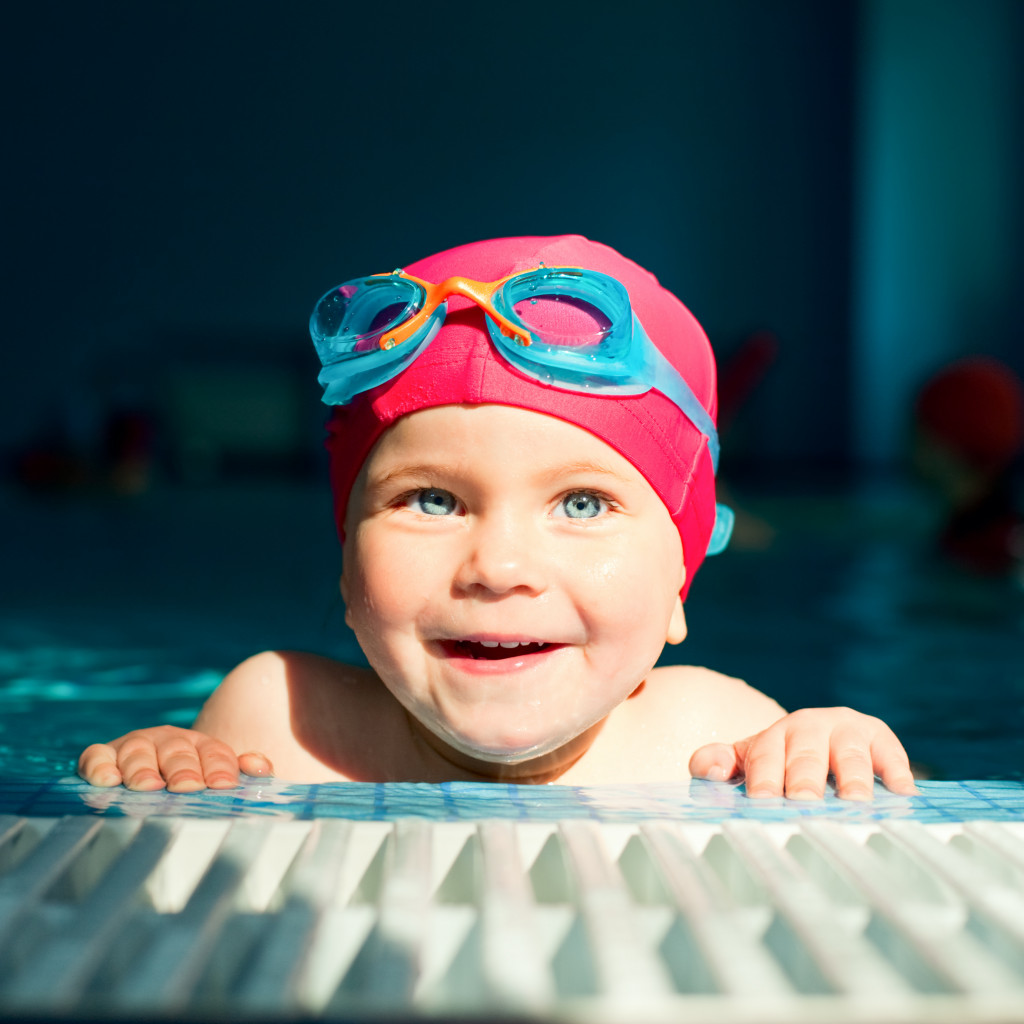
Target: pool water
852	606
117	613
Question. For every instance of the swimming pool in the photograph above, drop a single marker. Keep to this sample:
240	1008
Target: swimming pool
125	612
478	901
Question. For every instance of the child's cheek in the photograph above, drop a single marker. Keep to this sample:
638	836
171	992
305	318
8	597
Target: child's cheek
633	590
383	579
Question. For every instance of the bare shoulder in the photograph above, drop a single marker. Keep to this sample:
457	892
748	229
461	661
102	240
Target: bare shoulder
271	669
720	707
294	707
262	685
680	708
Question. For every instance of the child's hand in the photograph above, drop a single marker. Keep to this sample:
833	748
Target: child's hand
182	760
795	755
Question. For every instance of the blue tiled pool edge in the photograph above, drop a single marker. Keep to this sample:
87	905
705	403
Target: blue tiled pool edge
697	801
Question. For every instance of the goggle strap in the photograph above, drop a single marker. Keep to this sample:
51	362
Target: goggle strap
668	381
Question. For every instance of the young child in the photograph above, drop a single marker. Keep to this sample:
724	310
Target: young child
524	487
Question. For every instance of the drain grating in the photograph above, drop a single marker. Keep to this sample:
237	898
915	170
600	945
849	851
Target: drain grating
572	920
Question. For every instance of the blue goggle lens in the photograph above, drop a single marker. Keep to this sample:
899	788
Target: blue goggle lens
582	330
347	326
351	319
557	310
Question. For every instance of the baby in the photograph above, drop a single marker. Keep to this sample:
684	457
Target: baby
522	455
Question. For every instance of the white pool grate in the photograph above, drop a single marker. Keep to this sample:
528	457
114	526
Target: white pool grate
573	920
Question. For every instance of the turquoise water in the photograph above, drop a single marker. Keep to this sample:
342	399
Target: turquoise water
693	801
116	613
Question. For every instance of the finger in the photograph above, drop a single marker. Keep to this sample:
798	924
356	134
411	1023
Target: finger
807	759
218	763
891	764
98	765
764	762
179	763
851	764
715	761
256	764
138	762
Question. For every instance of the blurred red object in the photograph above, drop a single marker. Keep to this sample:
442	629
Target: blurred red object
970	429
975	407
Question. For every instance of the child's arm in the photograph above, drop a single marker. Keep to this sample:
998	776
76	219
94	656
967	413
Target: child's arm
795	754
182	760
310	718
244	712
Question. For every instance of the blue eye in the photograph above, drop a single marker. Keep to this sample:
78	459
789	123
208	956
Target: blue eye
434	502
582	505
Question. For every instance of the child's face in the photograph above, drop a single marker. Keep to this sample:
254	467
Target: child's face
472	526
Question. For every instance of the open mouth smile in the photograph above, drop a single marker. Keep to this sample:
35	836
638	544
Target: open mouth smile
495	650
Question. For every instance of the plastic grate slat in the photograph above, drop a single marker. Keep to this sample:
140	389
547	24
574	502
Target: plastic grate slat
331	919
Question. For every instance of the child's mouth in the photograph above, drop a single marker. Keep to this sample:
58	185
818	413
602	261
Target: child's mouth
494	650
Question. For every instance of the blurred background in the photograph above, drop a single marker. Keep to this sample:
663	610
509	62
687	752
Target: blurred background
185	179
833	188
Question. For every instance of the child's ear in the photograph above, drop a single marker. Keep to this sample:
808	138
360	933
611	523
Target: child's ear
677	624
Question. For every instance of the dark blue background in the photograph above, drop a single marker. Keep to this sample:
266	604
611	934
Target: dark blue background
189	177
184	179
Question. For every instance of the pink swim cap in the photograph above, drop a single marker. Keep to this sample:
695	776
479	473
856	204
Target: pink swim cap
461	366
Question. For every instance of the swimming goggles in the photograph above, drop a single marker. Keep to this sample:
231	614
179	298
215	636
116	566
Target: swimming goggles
368	330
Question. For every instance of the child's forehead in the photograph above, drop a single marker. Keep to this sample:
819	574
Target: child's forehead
497	441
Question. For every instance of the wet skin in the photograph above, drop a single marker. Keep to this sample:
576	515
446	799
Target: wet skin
479	526
512	580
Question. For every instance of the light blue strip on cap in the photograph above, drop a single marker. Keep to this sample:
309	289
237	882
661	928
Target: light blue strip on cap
725	519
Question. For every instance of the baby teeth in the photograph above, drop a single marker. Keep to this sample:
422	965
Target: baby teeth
509	644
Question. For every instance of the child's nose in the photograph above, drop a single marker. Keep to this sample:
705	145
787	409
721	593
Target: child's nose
502	555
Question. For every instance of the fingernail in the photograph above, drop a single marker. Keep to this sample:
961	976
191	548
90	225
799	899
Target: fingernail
856	793
221	780
803	794
716	773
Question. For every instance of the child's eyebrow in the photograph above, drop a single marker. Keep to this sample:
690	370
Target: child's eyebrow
583	468
422	471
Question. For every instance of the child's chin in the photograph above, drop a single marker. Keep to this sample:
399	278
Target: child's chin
505	750
499	737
